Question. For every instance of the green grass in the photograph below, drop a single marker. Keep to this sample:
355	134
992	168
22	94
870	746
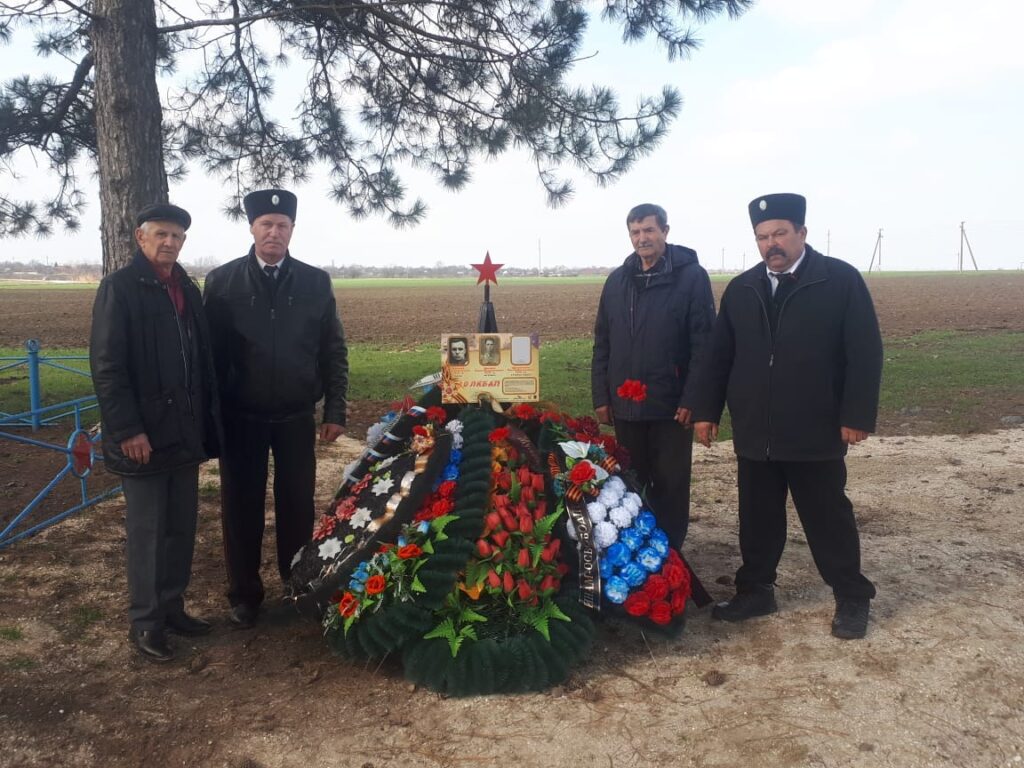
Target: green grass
56	385
956	379
46	285
83	617
209	491
21	664
11	633
433	283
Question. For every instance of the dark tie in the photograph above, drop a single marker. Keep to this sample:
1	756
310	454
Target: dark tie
780	278
271	271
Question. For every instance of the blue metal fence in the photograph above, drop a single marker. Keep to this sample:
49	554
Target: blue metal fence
79	451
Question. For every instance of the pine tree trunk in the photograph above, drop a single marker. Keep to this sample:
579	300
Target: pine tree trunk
128	121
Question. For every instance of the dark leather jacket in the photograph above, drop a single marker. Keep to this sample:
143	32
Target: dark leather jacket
278	344
153	371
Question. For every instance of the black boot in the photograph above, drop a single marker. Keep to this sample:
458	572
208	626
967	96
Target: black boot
151	643
190	626
243	615
851	619
748	602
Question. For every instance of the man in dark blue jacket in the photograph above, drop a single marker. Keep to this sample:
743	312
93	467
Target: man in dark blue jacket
797	356
153	372
655	315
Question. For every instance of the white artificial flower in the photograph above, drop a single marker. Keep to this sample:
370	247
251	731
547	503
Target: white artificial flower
605	534
620	516
575	449
330	549
455	428
597	511
608	498
616	484
382	485
632	502
360	518
298	556
375	433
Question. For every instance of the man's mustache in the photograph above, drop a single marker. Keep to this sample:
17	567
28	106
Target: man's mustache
775	251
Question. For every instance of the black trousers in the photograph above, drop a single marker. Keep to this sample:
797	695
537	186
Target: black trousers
161	534
826	514
243	466
661	453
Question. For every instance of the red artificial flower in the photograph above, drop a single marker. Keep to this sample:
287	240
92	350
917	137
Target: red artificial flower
562	568
483	548
437	414
589	426
447	489
549	582
375	584
540	510
492	522
410	551
526	494
547	416
325	527
507	582
525	590
493	579
582	472
524	411
656	587
346	508
508	520
499	538
498	435
362	485
348	604
661	613
638	604
537	482
384	548
677	601
523	559
632	389
523	475
502	481
674	574
525	523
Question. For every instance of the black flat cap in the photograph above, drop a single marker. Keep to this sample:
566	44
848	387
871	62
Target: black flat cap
782	205
266	201
164	212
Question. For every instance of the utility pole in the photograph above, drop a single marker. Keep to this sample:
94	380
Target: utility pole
964	240
878	252
723	259
828	243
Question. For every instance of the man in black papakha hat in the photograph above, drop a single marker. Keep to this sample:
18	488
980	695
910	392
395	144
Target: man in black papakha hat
279	348
796	354
159	417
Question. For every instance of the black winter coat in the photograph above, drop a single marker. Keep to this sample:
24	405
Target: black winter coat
788	395
153	371
651	328
278	345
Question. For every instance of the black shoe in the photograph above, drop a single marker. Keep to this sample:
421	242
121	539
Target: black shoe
851	619
151	643
189	626
754	601
243	616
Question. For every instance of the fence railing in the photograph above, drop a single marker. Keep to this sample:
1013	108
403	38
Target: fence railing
79	451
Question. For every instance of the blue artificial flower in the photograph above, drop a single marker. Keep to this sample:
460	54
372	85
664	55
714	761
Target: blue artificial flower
634	575
618	554
659	545
362	572
450	473
606	568
632	538
455	457
658	535
401	542
645	522
616	590
424	526
355	585
650	559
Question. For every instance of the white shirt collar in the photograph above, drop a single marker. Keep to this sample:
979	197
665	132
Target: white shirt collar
278	265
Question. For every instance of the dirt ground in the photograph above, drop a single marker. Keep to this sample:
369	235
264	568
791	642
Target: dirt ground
905	304
939	681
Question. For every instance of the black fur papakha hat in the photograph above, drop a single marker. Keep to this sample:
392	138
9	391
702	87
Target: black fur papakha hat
782	205
164	212
266	201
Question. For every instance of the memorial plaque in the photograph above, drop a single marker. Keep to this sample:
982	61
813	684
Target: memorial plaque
505	366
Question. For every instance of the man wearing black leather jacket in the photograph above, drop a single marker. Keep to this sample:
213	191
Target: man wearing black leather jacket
279	348
152	368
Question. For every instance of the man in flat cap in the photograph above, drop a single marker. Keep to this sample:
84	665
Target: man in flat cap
796	354
152	368
279	349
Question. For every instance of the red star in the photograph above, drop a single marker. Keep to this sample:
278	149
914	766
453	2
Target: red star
488	271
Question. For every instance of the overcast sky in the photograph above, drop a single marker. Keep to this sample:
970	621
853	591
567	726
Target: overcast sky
903	115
